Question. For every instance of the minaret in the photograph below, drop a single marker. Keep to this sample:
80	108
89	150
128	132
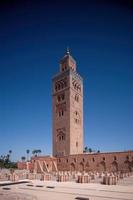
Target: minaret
67	109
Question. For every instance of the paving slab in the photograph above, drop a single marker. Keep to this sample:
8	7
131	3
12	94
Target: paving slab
51	190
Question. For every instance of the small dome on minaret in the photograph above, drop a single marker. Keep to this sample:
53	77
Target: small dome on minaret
67	62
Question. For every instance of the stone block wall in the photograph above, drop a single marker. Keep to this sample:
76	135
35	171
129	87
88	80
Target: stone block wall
111	162
94	162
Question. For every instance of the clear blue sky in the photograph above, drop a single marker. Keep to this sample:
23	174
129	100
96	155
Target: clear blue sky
33	38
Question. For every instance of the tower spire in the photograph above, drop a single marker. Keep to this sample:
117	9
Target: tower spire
68	51
67	62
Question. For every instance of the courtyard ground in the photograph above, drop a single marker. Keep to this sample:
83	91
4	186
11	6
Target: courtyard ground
50	190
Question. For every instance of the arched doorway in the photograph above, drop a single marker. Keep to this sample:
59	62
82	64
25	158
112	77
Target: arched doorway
114	166
102	166
87	167
72	167
81	167
128	165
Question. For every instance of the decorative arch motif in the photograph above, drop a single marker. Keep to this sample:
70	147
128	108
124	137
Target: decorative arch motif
81	167
77	118
87	167
72	167
60	109
61	135
61	84
114	166
61	97
76	97
76	85
102	166
128	165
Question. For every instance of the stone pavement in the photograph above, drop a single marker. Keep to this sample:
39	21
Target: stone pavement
50	190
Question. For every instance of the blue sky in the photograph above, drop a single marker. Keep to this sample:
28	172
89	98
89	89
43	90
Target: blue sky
33	38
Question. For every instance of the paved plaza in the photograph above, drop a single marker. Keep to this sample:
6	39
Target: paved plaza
52	190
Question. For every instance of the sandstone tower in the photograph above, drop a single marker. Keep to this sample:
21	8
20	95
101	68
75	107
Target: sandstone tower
67	109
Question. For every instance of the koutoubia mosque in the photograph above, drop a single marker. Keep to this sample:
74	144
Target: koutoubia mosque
68	136
67	109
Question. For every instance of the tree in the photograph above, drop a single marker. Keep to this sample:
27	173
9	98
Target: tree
39	151
85	149
36	152
27	151
90	150
10	152
5	162
23	158
2	161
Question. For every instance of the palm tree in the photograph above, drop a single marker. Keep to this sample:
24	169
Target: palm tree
7	156
86	149
90	150
23	158
27	151
34	152
39	151
10	152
